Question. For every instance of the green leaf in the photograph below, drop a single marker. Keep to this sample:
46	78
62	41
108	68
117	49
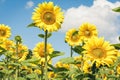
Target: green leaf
31	76
2	50
31	25
117	46
33	60
2	63
41	35
117	9
49	35
56	53
78	49
14	64
68	60
21	78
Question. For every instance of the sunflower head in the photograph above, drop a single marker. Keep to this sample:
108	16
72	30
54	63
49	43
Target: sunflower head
100	51
48	17
72	37
51	75
118	69
22	52
5	31
8	44
87	30
39	49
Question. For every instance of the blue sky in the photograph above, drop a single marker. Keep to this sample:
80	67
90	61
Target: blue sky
17	14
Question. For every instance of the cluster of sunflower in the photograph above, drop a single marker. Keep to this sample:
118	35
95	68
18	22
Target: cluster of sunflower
97	59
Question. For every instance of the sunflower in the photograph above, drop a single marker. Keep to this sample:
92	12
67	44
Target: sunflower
8	44
51	75
39	49
5	31
118	69
72	37
38	52
22	52
48	17
87	31
100	51
62	65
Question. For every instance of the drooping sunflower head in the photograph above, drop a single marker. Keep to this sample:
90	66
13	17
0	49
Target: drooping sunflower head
87	30
100	51
38	51
48	17
5	31
72	37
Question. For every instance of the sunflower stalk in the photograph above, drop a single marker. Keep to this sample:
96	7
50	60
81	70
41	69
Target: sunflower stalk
16	77
71	48
45	51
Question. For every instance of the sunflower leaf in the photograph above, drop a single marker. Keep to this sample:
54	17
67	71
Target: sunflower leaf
2	50
117	9
31	25
68	60
56	53
78	49
49	35
41	35
31	76
117	46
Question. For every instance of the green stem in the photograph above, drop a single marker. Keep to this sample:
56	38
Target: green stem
71	52
16	76
45	51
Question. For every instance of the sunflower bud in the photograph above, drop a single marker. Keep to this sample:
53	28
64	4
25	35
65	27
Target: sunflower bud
18	39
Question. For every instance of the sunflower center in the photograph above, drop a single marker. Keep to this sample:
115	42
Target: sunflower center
2	32
41	53
98	53
75	37
87	33
48	18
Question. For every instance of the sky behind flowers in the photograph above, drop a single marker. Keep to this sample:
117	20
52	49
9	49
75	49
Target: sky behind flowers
17	14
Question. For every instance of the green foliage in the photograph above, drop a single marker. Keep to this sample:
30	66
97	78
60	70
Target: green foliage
56	54
117	9
43	36
78	49
2	50
68	60
117	46
31	25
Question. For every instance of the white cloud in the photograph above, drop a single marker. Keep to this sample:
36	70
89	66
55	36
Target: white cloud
100	14
29	4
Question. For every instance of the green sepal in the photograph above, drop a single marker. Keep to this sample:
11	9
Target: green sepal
76	32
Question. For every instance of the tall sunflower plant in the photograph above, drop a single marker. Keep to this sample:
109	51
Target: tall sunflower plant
97	58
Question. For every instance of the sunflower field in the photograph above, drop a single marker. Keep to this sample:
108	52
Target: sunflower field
97	59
